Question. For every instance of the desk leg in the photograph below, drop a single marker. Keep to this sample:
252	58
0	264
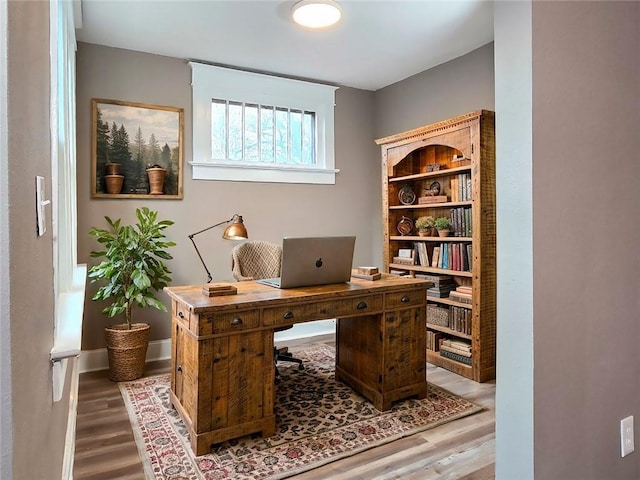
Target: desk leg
383	357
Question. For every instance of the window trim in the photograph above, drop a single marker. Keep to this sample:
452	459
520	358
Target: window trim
209	82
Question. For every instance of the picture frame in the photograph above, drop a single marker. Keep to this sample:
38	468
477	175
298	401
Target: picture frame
136	150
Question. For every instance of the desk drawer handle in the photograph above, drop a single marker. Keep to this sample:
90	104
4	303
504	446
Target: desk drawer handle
404	299
181	315
236	322
288	315
179	368
361	305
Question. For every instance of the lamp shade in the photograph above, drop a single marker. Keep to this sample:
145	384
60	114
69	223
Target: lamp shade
316	13
236	230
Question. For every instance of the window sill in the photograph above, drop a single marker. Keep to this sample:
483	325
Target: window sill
263	173
68	334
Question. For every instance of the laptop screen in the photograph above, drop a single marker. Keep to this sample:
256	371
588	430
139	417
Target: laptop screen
316	260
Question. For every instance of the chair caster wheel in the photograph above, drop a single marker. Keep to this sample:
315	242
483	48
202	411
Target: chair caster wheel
300	367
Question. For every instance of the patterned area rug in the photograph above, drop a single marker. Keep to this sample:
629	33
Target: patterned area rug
318	420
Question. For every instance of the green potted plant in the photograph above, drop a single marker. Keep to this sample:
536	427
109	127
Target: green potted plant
443	225
425	226
134	270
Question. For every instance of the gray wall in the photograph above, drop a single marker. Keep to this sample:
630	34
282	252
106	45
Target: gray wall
38	424
270	210
574	66
586	236
453	88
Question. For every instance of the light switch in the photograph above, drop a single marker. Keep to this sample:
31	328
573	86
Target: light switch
40	204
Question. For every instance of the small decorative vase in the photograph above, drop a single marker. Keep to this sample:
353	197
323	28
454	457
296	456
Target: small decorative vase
443	233
113	168
114	183
156	180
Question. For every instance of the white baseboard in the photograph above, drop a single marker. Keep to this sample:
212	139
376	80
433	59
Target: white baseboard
92	360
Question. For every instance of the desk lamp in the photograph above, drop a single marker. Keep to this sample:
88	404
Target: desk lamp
235	231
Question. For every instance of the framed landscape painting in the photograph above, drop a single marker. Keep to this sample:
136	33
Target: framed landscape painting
136	150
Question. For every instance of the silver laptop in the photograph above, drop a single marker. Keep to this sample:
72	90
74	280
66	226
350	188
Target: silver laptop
314	261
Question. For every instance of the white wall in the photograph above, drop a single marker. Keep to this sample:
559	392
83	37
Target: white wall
514	383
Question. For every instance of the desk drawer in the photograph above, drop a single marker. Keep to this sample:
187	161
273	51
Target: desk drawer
335	308
234	321
408	298
182	313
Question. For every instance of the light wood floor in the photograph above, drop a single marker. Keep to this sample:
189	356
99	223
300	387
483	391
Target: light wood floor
462	449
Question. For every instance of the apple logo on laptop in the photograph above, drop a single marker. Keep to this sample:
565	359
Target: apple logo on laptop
319	262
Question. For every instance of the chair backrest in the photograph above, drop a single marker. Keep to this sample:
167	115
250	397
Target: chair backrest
256	260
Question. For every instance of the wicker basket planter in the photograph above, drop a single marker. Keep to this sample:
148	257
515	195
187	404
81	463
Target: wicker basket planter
127	350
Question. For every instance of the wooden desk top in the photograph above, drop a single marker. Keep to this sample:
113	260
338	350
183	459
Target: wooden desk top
252	294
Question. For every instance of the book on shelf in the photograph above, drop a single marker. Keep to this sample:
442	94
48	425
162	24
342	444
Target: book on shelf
470	256
464	260
435	258
444	255
460	319
460	297
436	279
406	252
460	218
447	348
437	293
457	344
423	256
464	289
403	261
433	199
434	339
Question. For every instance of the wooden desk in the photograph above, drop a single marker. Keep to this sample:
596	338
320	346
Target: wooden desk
222	369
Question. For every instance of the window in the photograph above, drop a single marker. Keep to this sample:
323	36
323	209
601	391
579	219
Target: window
254	127
69	278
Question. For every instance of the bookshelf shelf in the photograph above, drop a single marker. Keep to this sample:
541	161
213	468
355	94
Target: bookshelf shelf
431	205
455	158
446	301
438	173
430	239
419	268
448	331
456	367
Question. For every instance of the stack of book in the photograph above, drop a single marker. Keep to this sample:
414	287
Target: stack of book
406	256
462	294
457	350
442	285
366	273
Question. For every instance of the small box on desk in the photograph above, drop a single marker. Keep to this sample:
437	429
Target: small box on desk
217	289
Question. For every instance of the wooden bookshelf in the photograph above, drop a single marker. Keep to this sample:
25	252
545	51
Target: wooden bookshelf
458	154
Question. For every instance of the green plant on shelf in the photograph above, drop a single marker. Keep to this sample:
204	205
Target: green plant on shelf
442	223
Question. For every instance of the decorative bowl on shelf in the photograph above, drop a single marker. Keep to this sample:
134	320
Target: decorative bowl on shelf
406	195
405	226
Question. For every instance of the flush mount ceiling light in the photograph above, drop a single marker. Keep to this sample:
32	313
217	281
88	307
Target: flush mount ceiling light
316	13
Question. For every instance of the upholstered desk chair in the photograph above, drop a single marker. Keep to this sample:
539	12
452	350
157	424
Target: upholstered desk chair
256	260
